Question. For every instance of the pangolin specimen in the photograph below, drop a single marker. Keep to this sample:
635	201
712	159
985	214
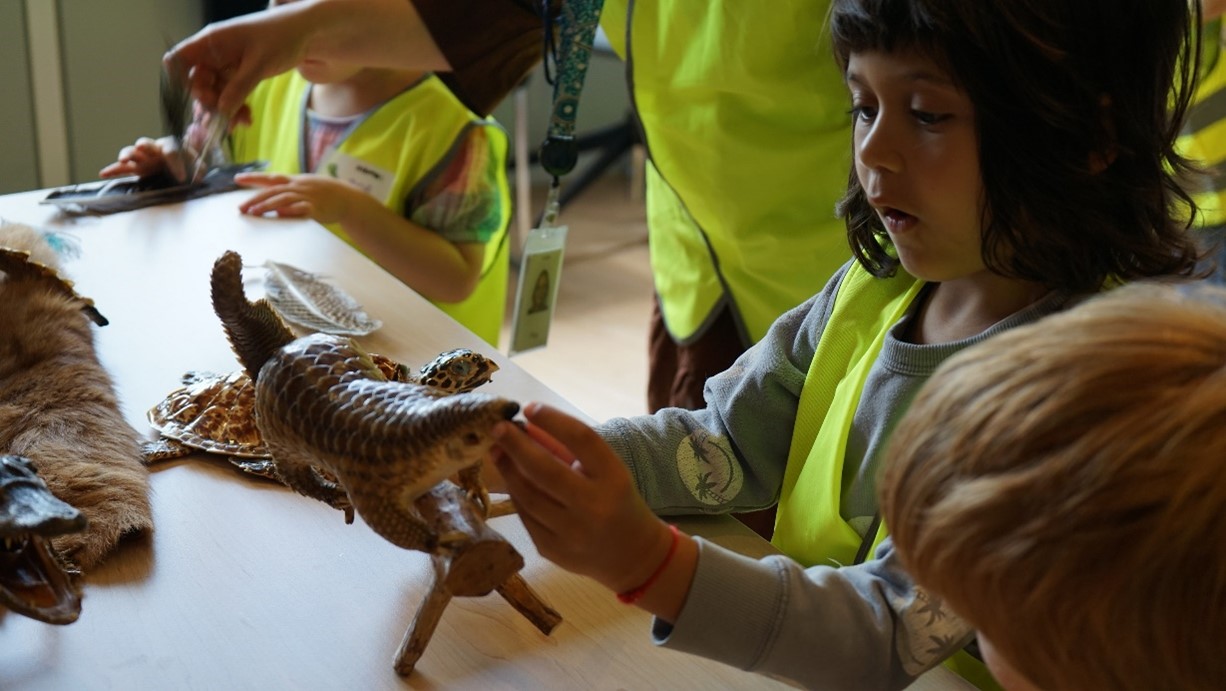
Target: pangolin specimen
321	402
215	413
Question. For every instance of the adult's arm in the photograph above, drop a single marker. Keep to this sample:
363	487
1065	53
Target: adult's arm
485	47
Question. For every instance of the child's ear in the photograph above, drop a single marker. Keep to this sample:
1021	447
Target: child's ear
1105	152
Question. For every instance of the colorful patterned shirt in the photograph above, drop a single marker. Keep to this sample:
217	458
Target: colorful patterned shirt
461	202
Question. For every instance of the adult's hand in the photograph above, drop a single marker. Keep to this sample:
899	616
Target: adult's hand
224	61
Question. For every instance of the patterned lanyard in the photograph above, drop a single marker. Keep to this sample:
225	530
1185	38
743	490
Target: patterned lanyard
577	28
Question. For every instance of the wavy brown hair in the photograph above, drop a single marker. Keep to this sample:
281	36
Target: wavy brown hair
1062	488
1056	85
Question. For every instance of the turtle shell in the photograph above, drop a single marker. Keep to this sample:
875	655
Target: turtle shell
213	413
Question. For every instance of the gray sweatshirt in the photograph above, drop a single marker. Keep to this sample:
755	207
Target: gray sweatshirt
861	626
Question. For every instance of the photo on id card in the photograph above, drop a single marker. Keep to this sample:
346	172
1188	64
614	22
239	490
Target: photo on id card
540	272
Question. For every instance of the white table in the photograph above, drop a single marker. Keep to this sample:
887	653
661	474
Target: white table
245	584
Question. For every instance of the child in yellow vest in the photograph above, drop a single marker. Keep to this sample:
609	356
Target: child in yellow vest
1009	161
1061	488
392	162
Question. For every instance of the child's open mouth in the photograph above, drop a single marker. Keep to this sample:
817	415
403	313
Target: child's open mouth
896	220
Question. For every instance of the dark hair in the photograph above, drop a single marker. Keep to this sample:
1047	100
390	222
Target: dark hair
1056	85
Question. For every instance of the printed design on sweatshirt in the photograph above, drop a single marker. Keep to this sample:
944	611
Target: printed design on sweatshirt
708	469
927	632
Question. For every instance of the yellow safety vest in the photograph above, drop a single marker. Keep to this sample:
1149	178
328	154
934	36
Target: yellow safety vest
808	525
1203	138
410	135
744	113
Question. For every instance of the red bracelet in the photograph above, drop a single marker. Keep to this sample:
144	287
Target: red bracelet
632	596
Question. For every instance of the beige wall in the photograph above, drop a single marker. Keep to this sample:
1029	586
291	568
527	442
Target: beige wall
80	79
19	169
112	56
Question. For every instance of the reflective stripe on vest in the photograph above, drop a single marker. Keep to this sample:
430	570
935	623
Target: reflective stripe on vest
744	116
412	134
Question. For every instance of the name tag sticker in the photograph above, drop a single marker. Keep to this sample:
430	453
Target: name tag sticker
540	272
371	179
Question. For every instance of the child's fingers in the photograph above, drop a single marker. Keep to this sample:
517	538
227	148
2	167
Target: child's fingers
136	159
148	145
256	201
297	209
574	435
260	179
128	153
538	466
536	493
283	206
278	199
116	169
546	440
531	502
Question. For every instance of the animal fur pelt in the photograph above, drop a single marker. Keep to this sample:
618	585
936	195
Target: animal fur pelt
58	405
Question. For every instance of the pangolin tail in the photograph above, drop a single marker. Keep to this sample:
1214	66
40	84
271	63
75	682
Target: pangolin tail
254	330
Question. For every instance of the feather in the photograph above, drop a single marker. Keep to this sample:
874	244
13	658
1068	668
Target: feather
176	101
65	246
305	299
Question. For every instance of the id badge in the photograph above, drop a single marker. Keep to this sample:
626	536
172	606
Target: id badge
540	273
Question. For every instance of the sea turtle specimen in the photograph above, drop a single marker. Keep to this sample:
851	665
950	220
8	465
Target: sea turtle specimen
33	580
215	413
321	403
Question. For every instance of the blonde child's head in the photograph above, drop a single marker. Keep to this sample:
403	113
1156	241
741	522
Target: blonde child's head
1063	488
1077	105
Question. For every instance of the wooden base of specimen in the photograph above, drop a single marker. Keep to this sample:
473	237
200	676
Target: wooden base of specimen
473	560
